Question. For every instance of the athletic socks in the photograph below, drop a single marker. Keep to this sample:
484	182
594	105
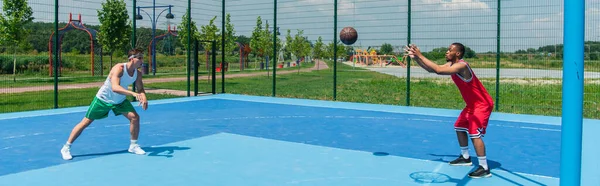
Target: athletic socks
464	151
483	162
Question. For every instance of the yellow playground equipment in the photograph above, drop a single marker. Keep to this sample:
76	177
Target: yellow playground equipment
370	58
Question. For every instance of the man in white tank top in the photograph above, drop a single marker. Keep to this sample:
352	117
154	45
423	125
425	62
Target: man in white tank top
112	96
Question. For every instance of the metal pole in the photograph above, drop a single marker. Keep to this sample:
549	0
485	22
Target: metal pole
214	65
408	38
153	21
196	45
498	59
335	49
572	90
189	39
134	20
223	48
274	46
132	38
55	53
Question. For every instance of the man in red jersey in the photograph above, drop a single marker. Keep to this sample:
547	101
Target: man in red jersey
474	117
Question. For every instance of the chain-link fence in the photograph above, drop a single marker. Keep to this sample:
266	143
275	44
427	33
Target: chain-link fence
286	49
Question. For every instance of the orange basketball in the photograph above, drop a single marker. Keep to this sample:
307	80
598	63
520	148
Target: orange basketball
348	35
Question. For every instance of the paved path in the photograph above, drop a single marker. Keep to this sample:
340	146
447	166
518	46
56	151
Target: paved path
319	65
418	72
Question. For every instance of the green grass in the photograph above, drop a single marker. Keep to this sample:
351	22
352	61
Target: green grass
84	77
520	96
28	101
372	87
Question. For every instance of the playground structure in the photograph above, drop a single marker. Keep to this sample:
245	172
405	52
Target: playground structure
244	52
364	57
172	33
96	49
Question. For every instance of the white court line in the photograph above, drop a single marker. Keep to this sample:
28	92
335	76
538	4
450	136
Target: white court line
530	128
531	119
358	151
362	117
438	112
536	128
48	112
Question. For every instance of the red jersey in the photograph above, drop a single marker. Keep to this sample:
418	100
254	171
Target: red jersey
473	92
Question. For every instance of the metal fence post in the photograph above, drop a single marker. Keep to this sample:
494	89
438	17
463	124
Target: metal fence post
408	58
335	7
223	48
189	44
498	59
274	46
56	53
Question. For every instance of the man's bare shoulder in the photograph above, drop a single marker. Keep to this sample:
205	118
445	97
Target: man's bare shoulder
117	70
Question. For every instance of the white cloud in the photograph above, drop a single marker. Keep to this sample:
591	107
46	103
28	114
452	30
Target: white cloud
345	7
458	4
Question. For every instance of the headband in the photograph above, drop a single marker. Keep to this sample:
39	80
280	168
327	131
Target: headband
135	56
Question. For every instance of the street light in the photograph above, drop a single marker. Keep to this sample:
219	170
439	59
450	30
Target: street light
153	20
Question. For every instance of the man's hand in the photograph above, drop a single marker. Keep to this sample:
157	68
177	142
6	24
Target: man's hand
141	97
407	51
414	51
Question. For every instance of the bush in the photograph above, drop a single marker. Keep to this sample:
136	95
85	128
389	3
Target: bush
25	63
32	64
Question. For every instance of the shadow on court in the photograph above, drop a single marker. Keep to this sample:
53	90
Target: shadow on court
164	151
491	164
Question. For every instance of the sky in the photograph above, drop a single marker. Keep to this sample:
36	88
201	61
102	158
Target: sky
435	23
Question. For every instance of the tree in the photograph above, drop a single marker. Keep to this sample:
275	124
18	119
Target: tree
17	14
114	26
341	50
230	44
255	39
386	49
318	51
242	39
267	41
299	46
436	53
183	30
288	44
469	53
209	33
306	47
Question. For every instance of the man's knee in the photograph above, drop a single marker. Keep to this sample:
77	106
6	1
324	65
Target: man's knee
85	122
132	116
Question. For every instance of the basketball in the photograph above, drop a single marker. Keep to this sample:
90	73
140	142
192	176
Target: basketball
348	35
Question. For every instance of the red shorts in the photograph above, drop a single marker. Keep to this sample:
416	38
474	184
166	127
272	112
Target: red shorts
474	121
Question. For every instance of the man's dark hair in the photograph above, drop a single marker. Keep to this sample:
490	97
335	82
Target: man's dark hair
134	51
461	49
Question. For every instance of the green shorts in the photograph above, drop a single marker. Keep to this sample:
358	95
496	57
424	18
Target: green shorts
99	109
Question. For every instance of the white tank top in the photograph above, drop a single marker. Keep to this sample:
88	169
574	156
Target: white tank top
106	93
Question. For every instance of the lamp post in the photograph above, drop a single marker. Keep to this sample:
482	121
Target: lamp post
153	20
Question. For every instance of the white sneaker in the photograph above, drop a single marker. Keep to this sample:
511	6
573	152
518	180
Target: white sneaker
136	149
66	153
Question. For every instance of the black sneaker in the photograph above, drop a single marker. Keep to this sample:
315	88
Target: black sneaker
480	173
461	161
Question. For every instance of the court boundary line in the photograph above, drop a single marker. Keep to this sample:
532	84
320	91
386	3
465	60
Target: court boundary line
416	159
496	116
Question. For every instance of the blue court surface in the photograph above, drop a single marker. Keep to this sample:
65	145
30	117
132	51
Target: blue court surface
247	140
